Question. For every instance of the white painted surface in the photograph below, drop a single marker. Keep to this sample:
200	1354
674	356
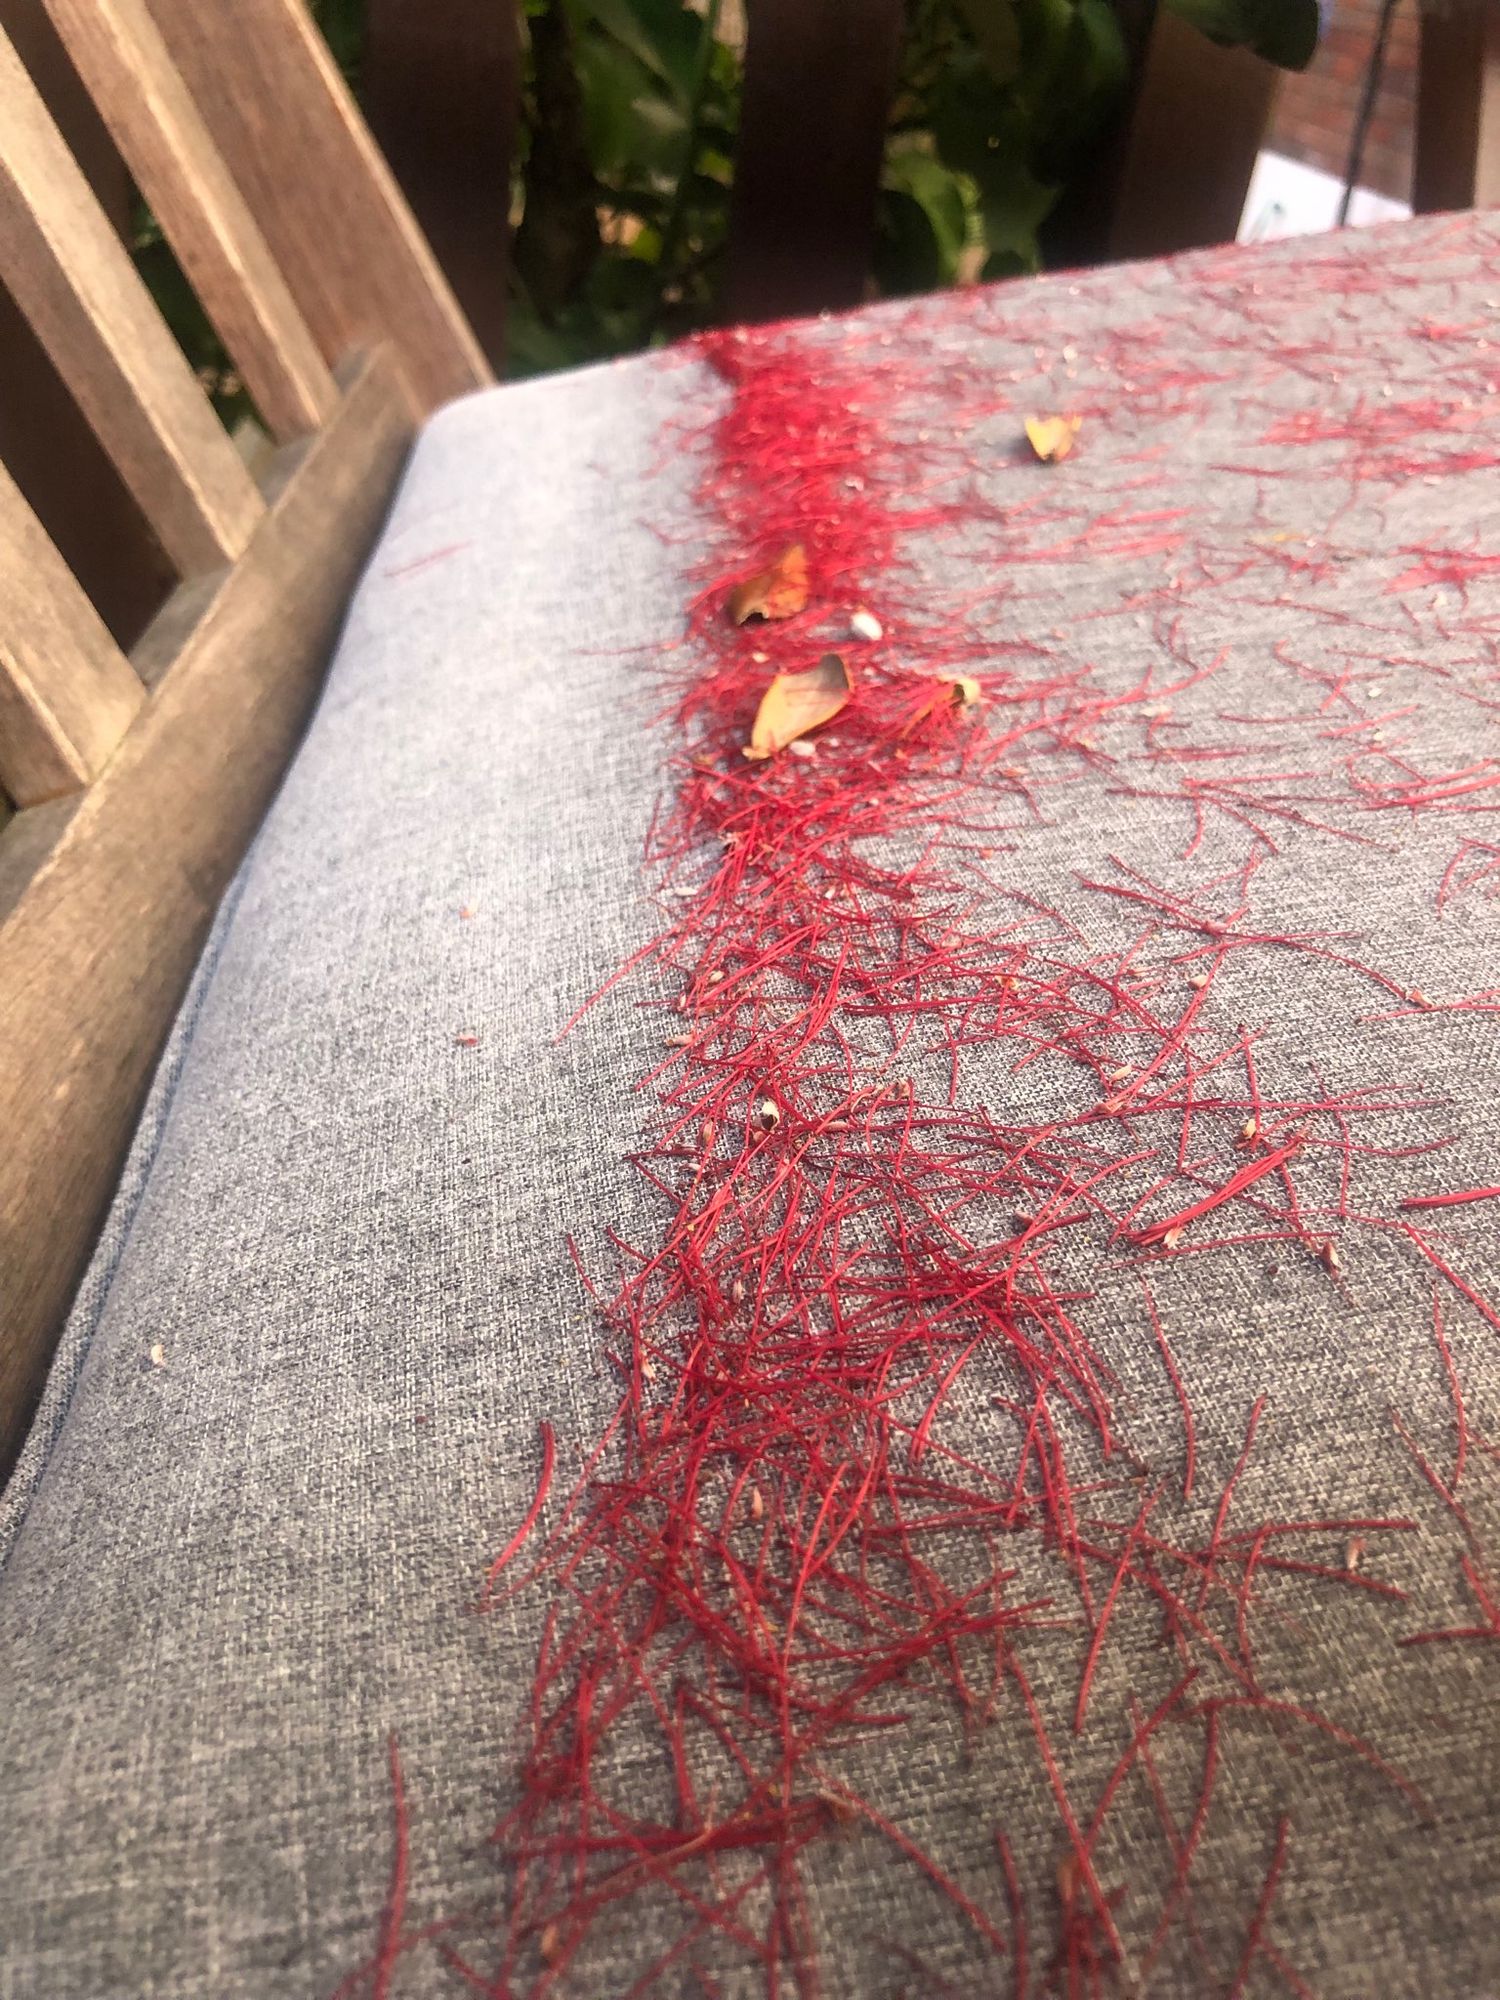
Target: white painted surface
1286	198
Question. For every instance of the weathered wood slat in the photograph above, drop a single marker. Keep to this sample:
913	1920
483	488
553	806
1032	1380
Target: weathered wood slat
73	279
819	75
96	949
67	692
338	225
1200	114
45	438
124	62
1456	161
440	84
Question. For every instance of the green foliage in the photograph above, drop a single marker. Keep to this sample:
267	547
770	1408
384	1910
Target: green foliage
629	112
629	117
1283	31
1005	97
998	106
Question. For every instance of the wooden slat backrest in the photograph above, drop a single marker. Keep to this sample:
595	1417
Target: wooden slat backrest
137	781
67	692
131	77
73	279
44	437
338	225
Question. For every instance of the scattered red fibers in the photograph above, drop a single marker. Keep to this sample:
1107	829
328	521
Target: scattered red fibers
1017	1915
1228	1494
1456	1199
1467	871
1262	1910
1460	1416
897	1108
420	563
1483	1596
395	1909
928	1866
1236	1184
395	1902
1189	1431
1459	1284
1097	1643
543	1486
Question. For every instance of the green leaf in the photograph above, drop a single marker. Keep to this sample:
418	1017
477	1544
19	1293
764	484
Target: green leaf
1009	264
1013	206
996	32
664	36
1046	30
534	349
908	257
974	122
1089	85
937	191
1283	31
634	130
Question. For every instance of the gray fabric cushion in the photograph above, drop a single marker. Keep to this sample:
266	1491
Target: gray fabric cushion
229	1573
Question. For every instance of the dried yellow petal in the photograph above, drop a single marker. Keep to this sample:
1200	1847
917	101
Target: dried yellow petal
1051	438
778	592
796	703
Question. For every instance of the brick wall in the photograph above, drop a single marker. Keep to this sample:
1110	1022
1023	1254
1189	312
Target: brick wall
1313	119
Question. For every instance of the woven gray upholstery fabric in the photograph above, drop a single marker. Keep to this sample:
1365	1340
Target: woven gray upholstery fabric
231	1570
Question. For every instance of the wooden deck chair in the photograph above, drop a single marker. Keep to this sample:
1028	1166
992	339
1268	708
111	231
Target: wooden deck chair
129	786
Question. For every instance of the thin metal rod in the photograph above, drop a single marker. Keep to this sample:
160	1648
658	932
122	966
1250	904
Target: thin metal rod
1374	76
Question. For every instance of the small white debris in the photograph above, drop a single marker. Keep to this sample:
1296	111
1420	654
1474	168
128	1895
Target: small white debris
802	748
768	1114
158	1355
865	625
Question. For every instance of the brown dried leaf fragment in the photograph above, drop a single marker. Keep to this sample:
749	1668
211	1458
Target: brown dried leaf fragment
778	592
1051	438
796	703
